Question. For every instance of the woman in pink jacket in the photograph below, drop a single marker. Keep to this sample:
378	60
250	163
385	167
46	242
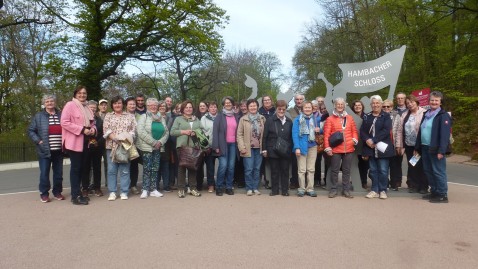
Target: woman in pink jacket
341	154
405	140
78	126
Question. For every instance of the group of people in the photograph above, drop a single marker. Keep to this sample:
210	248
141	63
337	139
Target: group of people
245	138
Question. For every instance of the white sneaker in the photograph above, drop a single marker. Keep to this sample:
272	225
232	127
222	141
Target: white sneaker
383	195
156	193
372	194
257	192
124	196
249	193
144	194
112	196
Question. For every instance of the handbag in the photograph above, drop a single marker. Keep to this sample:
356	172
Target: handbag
337	138
191	157
121	154
282	146
319	139
131	149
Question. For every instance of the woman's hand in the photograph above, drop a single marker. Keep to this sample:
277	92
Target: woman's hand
217	151
157	145
186	132
370	143
440	156
297	152
243	151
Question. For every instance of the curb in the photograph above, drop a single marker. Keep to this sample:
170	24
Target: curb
24	165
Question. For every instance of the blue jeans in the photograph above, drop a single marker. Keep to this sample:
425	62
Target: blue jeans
113	169
225	171
56	163
436	171
210	166
379	173
252	169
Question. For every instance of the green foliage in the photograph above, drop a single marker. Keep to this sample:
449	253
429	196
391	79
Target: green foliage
115	31
442	48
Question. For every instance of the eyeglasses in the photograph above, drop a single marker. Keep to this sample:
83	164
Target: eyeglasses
386	106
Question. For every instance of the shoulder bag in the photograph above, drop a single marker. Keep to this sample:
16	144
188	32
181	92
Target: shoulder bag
282	146
191	157
337	138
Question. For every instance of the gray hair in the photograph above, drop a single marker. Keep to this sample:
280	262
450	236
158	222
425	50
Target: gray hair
339	100
150	101
314	102
437	94
162	102
376	97
92	102
47	96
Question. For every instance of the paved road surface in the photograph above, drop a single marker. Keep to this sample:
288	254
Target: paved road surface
237	231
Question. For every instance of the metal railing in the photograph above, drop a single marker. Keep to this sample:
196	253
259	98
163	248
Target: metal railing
17	152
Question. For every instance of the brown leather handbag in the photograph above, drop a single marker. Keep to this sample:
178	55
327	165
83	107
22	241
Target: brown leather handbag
191	157
319	139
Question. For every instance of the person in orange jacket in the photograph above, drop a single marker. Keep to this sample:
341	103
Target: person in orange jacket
340	152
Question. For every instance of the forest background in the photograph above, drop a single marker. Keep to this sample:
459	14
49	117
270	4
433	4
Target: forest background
175	49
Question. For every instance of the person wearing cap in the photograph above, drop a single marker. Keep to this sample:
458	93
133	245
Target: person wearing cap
102	110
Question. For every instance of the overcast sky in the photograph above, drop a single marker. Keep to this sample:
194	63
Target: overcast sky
269	25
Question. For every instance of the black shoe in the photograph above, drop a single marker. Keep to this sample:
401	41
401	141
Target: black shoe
219	192
273	193
364	186
412	190
80	200
266	184
293	186
439	199
428	196
241	185
229	192
285	194
394	189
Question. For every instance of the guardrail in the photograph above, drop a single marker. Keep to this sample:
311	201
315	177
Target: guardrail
17	152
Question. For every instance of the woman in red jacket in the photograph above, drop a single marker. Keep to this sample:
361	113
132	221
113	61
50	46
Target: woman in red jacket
341	154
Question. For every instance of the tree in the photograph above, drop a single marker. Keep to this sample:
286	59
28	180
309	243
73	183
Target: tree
114	31
27	57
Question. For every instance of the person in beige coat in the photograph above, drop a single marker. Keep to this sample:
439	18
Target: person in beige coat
249	142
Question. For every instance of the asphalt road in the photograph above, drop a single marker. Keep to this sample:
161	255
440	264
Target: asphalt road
26	180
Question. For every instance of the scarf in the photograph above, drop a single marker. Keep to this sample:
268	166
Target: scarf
193	118
86	111
210	117
305	129
156	117
254	119
228	113
429	115
343	115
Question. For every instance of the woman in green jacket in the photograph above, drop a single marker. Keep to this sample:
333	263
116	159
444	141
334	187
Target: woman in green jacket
182	128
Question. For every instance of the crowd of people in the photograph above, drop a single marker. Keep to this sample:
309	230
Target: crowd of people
247	139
